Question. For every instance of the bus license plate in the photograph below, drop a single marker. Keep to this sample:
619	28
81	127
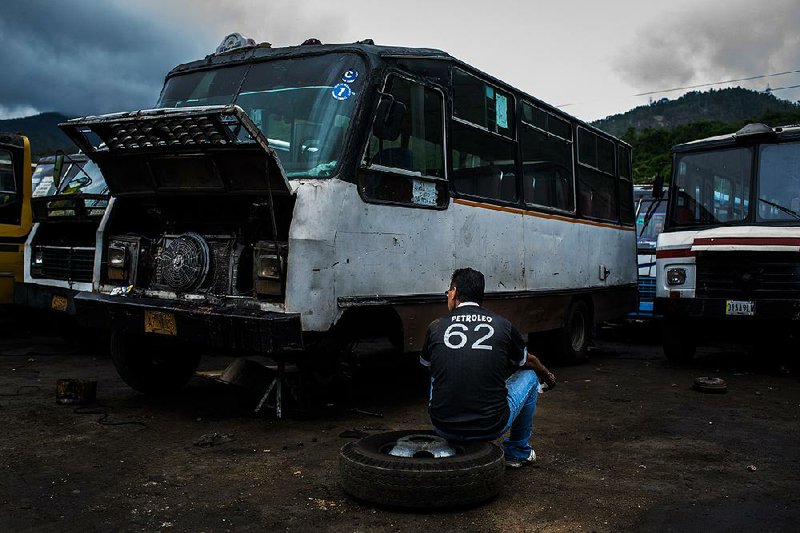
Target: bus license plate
740	307
160	322
59	303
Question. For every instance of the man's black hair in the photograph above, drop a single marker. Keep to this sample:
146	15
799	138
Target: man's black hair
469	284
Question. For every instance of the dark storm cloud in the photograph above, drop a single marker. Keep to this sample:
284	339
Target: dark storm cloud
712	43
86	57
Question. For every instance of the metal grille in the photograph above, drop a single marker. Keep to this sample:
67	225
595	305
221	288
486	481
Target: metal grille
167	131
66	264
218	279
221	252
765	275
210	126
647	288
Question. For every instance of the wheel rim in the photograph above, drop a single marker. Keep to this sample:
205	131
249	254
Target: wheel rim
578	332
422	446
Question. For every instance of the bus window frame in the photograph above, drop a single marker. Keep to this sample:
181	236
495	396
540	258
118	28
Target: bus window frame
522	123
399	172
514	102
613	175
618	145
11	212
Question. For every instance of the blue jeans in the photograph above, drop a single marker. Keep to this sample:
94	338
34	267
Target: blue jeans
523	389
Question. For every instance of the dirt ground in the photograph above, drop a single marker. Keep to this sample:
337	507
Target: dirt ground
623	443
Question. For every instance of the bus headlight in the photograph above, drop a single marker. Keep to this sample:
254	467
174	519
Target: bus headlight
269	266
122	256
117	256
676	276
37	261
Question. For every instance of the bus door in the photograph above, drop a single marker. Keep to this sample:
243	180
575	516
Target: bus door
15	211
394	231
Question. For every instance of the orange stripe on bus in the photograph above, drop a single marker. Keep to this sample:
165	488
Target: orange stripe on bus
518	211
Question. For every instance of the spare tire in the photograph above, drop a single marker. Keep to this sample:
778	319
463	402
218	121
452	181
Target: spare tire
473	475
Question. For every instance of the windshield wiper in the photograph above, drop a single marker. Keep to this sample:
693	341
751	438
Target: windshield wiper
786	210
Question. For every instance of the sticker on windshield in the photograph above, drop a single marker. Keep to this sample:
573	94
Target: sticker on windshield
342	91
350	76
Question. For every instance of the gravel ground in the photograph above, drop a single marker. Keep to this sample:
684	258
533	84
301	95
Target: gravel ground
623	443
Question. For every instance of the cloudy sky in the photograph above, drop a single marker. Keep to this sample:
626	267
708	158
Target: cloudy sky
593	58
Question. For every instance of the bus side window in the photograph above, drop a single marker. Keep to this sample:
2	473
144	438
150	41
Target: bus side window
483	165
547	175
408	169
626	209
597	188
482	129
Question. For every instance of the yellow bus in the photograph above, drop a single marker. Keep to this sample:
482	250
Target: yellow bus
15	209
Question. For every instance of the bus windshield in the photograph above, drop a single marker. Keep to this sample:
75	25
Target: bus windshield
84	179
779	182
649	222
712	188
304	106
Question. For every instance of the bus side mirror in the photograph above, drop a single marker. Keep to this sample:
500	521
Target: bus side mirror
58	167
389	118
658	186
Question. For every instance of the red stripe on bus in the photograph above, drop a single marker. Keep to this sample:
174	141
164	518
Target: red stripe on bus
669	254
748	241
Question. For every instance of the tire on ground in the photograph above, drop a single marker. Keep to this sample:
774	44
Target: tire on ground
471	477
153	365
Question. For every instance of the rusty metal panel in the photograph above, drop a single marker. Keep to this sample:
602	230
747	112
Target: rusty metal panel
389	250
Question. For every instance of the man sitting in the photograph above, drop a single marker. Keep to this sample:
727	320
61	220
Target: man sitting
483	380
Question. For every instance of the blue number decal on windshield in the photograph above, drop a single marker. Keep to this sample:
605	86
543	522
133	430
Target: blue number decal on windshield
342	91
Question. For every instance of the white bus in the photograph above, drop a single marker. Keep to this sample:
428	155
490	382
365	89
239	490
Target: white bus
299	197
650	214
727	260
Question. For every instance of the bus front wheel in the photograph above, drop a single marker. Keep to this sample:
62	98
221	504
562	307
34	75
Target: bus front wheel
152	365
678	341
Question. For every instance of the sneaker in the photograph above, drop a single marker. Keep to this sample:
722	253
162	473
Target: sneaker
519	463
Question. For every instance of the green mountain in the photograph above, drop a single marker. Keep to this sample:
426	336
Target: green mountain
652	130
43	132
716	105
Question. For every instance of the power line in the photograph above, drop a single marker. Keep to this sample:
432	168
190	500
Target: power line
773	89
710	84
758	77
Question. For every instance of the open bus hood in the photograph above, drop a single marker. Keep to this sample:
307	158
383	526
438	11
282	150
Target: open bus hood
213	149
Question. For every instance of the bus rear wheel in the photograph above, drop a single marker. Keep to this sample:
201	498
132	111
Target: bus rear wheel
572	341
678	341
152	365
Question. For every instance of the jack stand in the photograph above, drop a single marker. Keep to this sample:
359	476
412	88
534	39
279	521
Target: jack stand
276	388
252	375
277	385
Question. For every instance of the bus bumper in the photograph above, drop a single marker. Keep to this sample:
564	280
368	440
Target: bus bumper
59	300
786	311
216	325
